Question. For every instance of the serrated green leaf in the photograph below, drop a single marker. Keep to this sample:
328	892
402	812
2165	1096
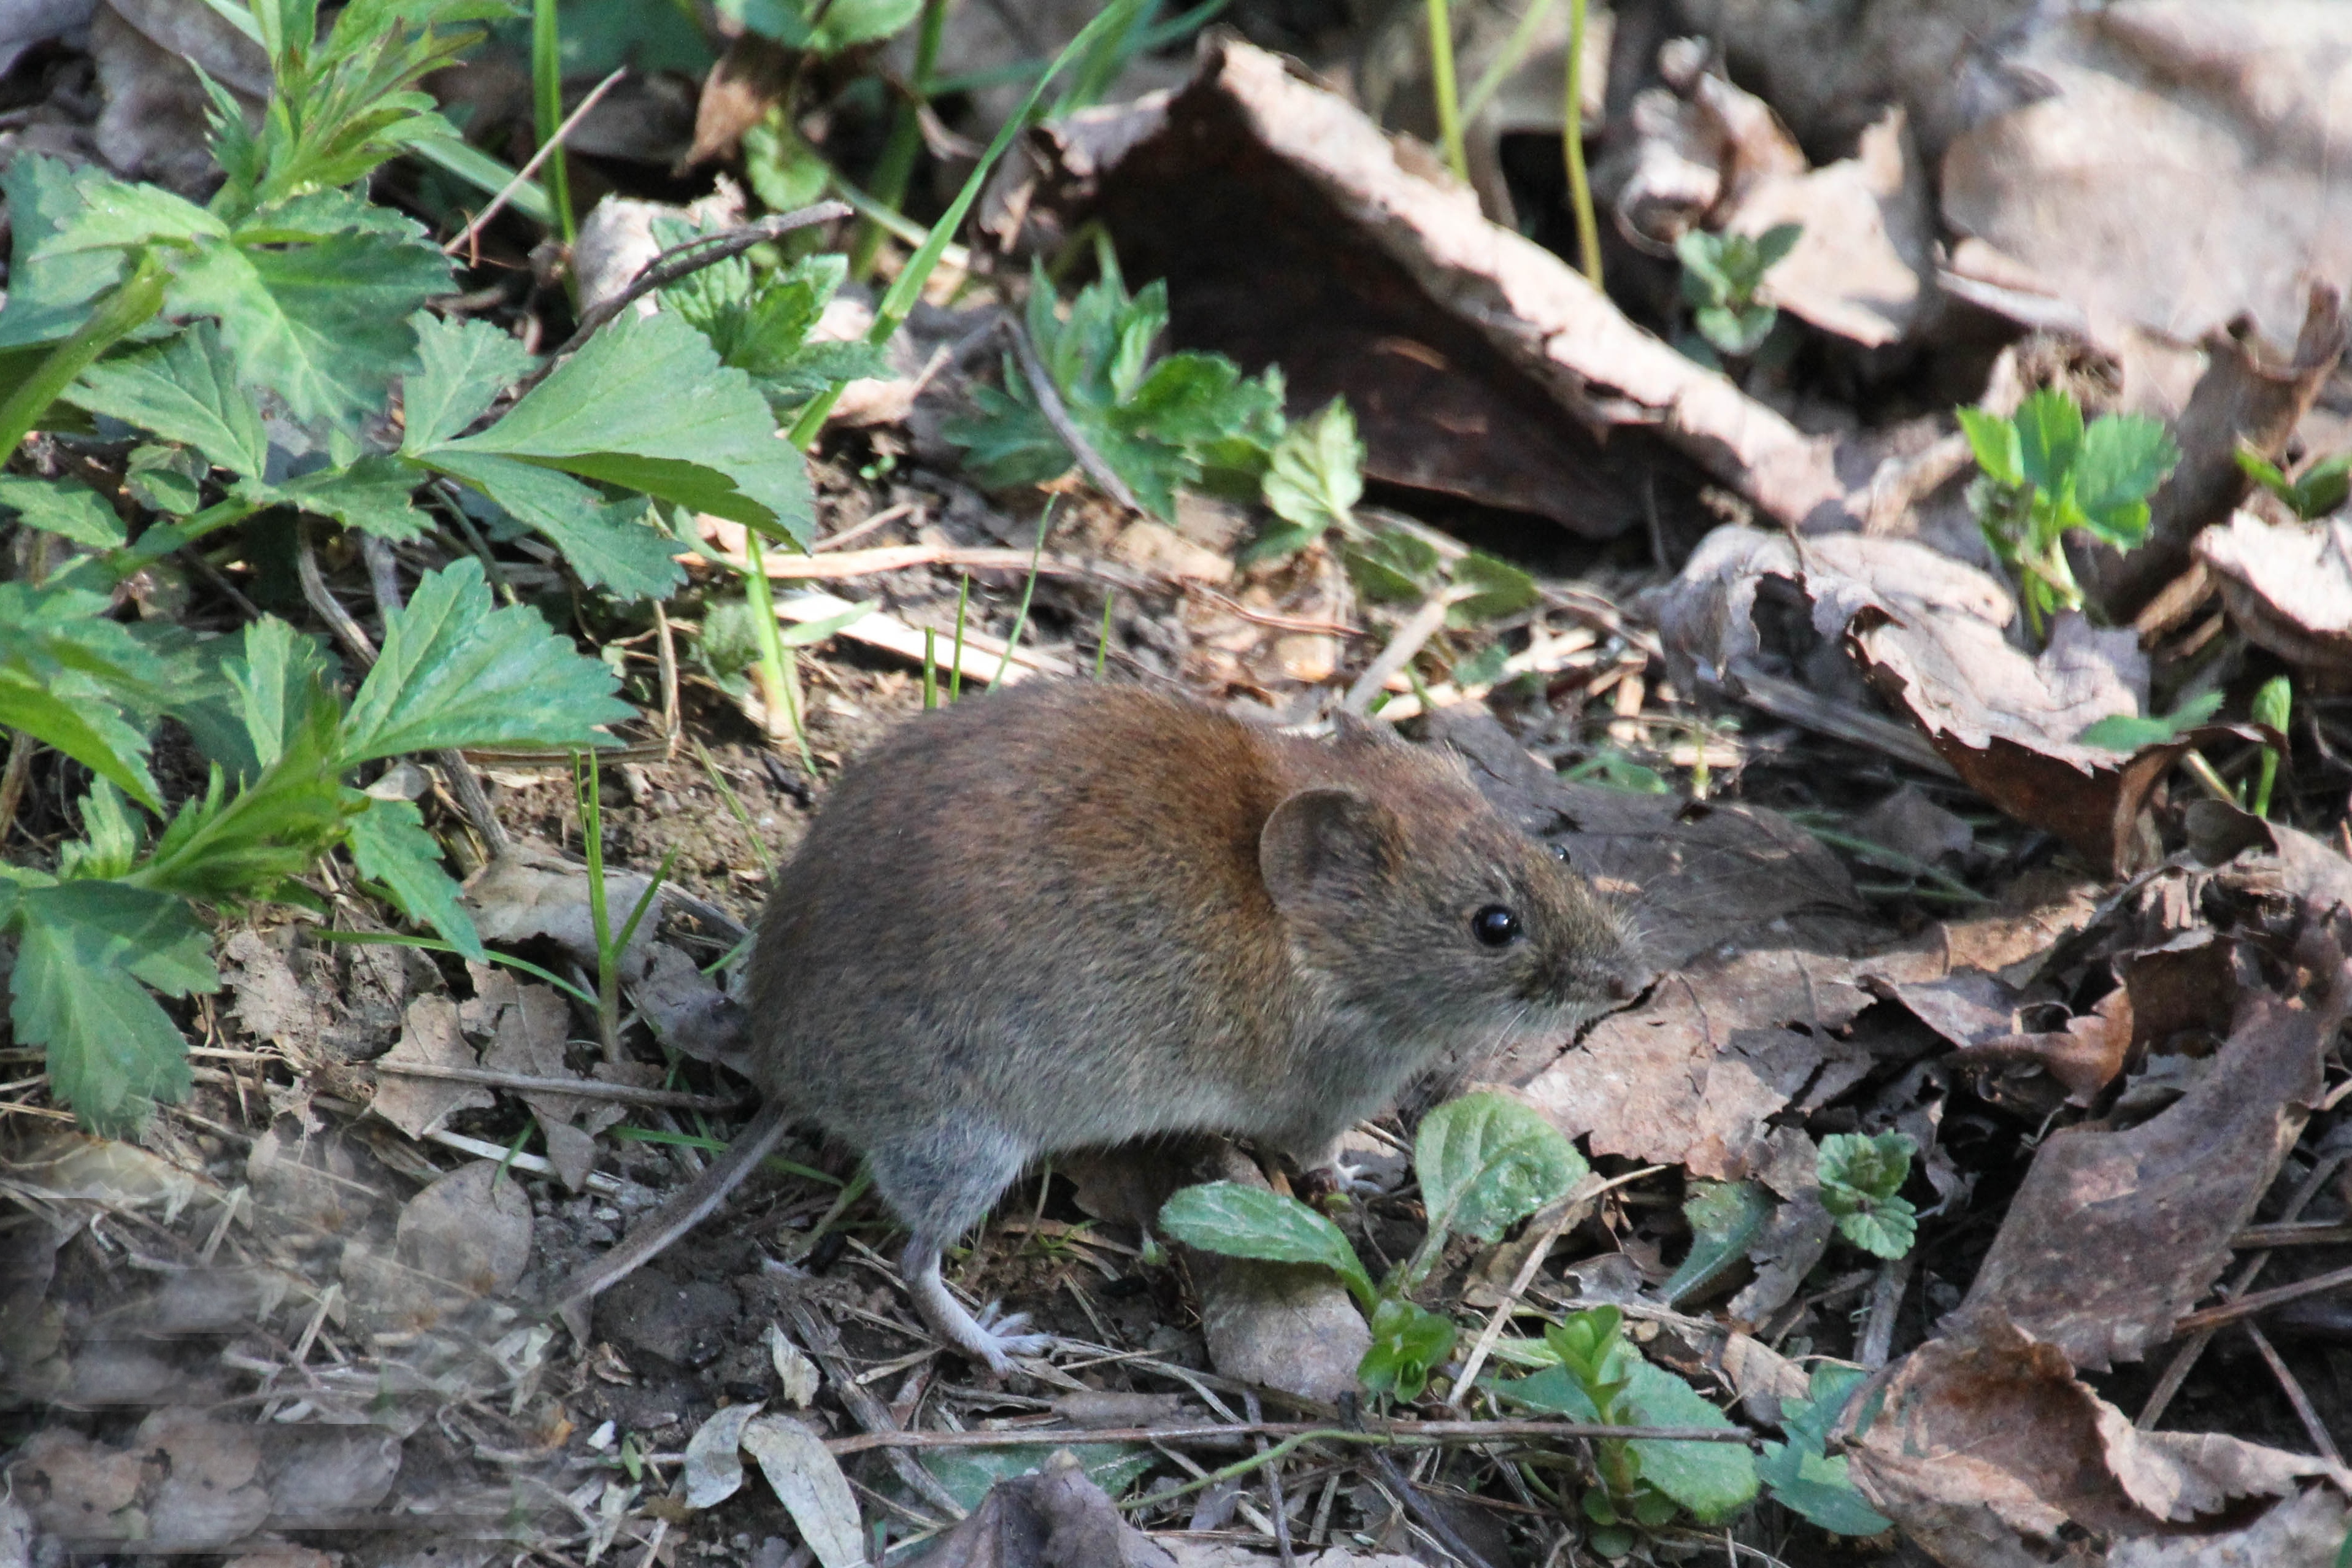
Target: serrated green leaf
1408	1343
68	674
279	682
2123	457
1885	1227
1242	1221
1485	1162
455	671
463	365
50	296
371	495
1314	476
1502	589
184	390
250	842
2049	438
83	950
110	841
316	214
1393	566
117	214
325	326
1725	1218
1872	1166
67	507
646	404
608	545
1993	440
389	843
1705	282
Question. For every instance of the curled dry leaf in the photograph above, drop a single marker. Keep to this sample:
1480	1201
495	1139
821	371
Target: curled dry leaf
808	1480
1988	1447
2115	1235
714	1460
2287	586
1055	1516
534	892
2082	1058
1458	343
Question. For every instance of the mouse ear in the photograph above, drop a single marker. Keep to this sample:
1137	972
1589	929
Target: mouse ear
1350	729
1321	842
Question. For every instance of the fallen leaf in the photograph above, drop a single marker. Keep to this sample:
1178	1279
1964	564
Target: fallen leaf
2114	1236
714	1462
210	1493
2082	1058
430	1038
2309	1528
2287	586
1860	268
1056	1517
808	1481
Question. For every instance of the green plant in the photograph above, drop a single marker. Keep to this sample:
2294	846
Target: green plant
2319	489
118	919
588	794
1485	1162
1862	1182
1597	1376
2274	706
1314	477
1158	422
1721	276
1802	1475
1441	84
2129	733
2043	474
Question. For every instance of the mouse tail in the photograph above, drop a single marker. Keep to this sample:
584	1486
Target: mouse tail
682	1212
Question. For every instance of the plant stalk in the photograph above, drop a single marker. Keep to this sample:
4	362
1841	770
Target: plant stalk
547	94
775	666
1449	102
1572	137
897	165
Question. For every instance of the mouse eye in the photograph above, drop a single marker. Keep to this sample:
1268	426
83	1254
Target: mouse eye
1559	852
1495	926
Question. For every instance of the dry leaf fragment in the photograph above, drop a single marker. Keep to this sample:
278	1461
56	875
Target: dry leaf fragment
1860	268
808	1480
2115	1235
1057	1518
2287	586
714	1461
430	1037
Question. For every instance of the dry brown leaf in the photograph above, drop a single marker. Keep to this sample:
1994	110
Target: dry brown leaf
211	1491
1458	343
2305	1531
1057	1518
432	1037
1690	1078
751	77
1987	1447
271	1000
2082	1058
2115	1235
1860	268
2287	586
529	1027
534	892
470	1230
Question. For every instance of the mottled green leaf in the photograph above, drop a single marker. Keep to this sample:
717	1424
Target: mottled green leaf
608	544
463	366
65	507
1485	1162
1242	1221
49	295
184	390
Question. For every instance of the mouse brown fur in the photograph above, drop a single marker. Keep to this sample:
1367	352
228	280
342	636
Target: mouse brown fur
1069	914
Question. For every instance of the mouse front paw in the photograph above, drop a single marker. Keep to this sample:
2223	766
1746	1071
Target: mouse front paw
1342	1178
1003	1334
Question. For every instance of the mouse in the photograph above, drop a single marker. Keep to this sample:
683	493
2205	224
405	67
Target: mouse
1068	914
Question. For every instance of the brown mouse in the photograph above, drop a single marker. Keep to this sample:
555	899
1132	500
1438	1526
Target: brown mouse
1069	914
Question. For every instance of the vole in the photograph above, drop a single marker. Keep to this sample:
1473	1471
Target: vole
1068	914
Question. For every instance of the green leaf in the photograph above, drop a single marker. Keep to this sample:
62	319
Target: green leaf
49	297
111	838
251	843
454	671
1487	1162
646	404
2273	702
390	845
317	215
187	390
2324	487
463	366
1408	1343
1861	1177
808	634
1316	474
325	326
83	949
2129	733
1393	566
1772	247
371	495
1725	1218
278	682
2049	438
1706	285
65	507
820	27
1502	590
608	545
1994	441
1242	1221
117	214
2123	457
1713	1480
66	675
1820	1489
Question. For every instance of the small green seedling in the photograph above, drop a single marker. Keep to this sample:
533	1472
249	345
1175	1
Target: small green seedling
2274	706
2129	733
2319	489
2045	474
1862	1183
1802	1475
1314	477
1160	421
1722	274
1485	1162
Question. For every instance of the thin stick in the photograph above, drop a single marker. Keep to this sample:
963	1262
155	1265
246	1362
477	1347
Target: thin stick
464	235
900	557
2246	1306
585	1089
1409	638
1280	1510
1569	1213
1292	1433
2313	1427
330	610
685	260
1050	404
888	515
823	1342
13	777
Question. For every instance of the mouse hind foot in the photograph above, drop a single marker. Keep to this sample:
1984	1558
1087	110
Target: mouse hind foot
987	1338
